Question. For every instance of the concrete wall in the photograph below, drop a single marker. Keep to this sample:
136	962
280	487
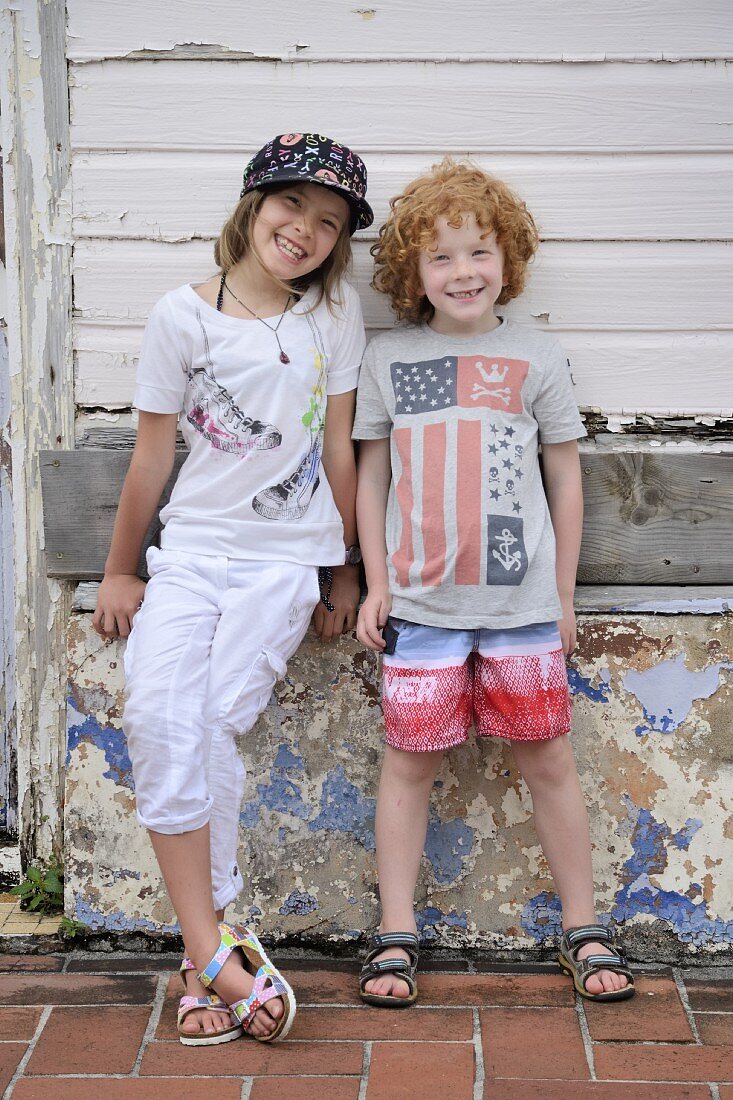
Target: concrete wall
653	698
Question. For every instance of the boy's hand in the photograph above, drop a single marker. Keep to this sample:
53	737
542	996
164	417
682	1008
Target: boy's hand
373	618
118	601
566	626
344	596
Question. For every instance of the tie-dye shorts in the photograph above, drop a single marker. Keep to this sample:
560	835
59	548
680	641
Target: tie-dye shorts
438	681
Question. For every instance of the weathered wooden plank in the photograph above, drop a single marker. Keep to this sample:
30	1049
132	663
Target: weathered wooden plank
543	29
680	285
657	519
481	107
652	519
81	491
614	372
704	599
625	197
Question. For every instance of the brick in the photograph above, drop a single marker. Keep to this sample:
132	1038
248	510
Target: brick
655	1014
325	986
117	1088
18	1023
412	1024
10	1056
139	964
632	1062
75	989
30	963
533	1043
484	990
710	996
89	1040
402	1071
305	1088
591	1090
248	1058
716	1029
726	1092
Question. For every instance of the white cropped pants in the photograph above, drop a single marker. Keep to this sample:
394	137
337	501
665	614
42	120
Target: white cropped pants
212	637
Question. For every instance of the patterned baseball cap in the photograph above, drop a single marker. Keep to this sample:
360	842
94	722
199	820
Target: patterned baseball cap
312	158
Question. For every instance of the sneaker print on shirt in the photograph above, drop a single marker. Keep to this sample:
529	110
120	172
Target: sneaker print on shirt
214	413
289	499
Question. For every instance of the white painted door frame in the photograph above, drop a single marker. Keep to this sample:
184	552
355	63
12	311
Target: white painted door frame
36	157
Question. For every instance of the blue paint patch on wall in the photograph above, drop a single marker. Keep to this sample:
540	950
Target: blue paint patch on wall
344	809
667	691
281	794
298	904
690	920
446	846
286	758
85	728
542	916
116	921
427	919
581	685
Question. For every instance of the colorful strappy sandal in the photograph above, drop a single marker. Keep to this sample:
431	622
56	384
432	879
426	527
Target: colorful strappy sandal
399	968
581	969
268	981
212	1003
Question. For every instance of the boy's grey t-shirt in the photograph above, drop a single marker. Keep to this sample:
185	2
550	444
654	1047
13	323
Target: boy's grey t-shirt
469	538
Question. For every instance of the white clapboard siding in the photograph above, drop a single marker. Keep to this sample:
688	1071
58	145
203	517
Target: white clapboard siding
681	285
403	106
172	195
504	29
660	373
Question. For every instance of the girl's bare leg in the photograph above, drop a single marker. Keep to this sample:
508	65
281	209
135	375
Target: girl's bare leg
402	820
561	821
185	862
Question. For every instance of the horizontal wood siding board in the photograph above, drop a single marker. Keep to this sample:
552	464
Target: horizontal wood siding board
173	196
649	519
81	491
657	519
482	107
503	29
678	285
614	372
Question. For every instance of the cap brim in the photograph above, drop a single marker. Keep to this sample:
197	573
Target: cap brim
362	214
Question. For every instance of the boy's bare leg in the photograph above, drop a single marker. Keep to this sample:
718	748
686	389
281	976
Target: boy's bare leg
184	860
561	821
402	821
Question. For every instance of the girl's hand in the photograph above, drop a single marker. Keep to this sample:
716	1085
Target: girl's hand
566	626
118	601
373	618
345	599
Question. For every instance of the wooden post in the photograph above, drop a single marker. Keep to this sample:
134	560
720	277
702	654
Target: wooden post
35	142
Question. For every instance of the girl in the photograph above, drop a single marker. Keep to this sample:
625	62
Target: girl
259	366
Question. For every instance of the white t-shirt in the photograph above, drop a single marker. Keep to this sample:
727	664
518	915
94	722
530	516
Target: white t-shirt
253	485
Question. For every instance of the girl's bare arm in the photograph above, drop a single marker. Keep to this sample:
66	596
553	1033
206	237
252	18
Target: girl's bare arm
563	485
121	591
340	467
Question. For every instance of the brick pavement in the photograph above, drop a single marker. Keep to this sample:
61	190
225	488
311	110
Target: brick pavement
96	1027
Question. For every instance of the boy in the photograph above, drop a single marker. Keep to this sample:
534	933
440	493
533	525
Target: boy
470	574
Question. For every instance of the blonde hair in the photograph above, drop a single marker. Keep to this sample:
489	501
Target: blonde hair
235	240
450	190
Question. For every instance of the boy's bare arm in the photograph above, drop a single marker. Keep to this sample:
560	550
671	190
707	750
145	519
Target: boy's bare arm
564	489
340	469
122	590
375	477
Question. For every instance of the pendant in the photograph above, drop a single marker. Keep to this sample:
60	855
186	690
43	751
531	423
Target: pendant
284	358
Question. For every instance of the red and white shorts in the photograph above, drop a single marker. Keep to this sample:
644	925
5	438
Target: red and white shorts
438	681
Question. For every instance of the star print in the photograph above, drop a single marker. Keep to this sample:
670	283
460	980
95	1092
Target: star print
494	494
433	402
507	464
422	386
449	381
423	397
493	449
414	370
510	431
518	475
447	401
441	389
408	408
493	428
447	363
516	507
399	370
503	444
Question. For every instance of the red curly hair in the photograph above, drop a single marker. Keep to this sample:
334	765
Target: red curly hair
451	190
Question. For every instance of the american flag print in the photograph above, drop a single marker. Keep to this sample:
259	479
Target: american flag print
465	527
